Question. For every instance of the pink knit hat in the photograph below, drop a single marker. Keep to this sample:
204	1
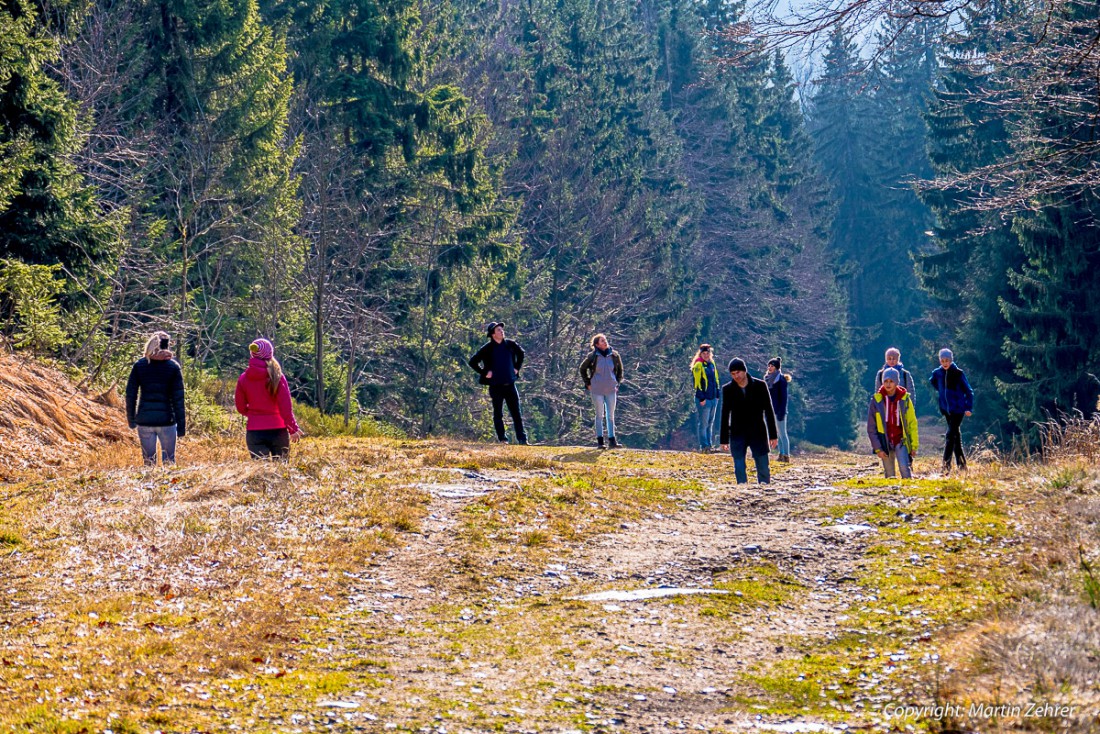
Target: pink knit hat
262	349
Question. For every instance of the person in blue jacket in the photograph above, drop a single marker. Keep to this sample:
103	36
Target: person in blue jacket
777	381
956	402
704	376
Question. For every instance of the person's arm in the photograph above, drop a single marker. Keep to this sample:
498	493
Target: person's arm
968	393
698	374
910	386
618	362
131	397
477	362
769	415
912	429
286	409
724	431
586	370
781	406
178	403
872	429
239	398
517	356
878	380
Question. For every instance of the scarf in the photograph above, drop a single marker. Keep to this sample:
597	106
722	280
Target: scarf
894	433
604	352
771	379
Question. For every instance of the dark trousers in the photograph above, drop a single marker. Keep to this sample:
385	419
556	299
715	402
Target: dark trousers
738	447
954	445
273	443
507	394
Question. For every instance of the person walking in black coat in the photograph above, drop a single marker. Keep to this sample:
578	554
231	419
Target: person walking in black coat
748	422
154	401
498	363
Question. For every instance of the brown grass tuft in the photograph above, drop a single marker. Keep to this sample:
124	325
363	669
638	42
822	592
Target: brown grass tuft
45	421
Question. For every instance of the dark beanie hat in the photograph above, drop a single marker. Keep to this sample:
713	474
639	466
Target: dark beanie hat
737	364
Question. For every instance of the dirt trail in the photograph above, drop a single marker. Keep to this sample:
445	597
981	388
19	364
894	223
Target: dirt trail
624	665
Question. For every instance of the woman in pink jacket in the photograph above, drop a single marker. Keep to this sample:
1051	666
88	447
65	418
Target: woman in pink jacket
263	396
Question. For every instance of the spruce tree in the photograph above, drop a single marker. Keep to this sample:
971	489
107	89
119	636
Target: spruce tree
767	282
223	185
904	76
967	275
48	214
1053	345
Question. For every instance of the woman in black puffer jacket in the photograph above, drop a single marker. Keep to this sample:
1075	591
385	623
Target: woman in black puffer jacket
154	401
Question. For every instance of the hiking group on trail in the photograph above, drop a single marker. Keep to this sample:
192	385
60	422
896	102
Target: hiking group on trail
754	411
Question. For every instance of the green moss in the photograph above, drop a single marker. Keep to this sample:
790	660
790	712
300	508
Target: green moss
761	585
307	684
927	568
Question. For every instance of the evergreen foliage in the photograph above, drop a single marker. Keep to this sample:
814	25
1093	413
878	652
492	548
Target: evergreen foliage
1012	285
867	123
369	182
48	214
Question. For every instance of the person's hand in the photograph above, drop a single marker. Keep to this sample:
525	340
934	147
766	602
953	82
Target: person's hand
774	443
912	454
295	436
587	387
489	375
967	414
881	454
724	447
702	402
517	373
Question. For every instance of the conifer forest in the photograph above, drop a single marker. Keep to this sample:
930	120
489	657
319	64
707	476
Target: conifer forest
368	183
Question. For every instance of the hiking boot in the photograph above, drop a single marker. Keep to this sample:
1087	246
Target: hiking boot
612	443
599	442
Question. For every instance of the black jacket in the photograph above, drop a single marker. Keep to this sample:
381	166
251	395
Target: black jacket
482	362
747	415
160	385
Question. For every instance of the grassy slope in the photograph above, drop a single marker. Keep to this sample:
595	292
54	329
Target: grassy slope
214	595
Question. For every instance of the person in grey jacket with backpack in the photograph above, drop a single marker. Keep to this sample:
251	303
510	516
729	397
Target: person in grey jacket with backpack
602	372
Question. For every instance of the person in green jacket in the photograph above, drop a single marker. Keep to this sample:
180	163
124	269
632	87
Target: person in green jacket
704	375
892	426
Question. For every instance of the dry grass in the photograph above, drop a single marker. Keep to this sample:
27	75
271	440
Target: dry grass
1045	647
45	421
1072	438
129	580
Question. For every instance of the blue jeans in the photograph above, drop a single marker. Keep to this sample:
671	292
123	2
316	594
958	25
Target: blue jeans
738	446
605	410
784	439
704	422
148	436
901	454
